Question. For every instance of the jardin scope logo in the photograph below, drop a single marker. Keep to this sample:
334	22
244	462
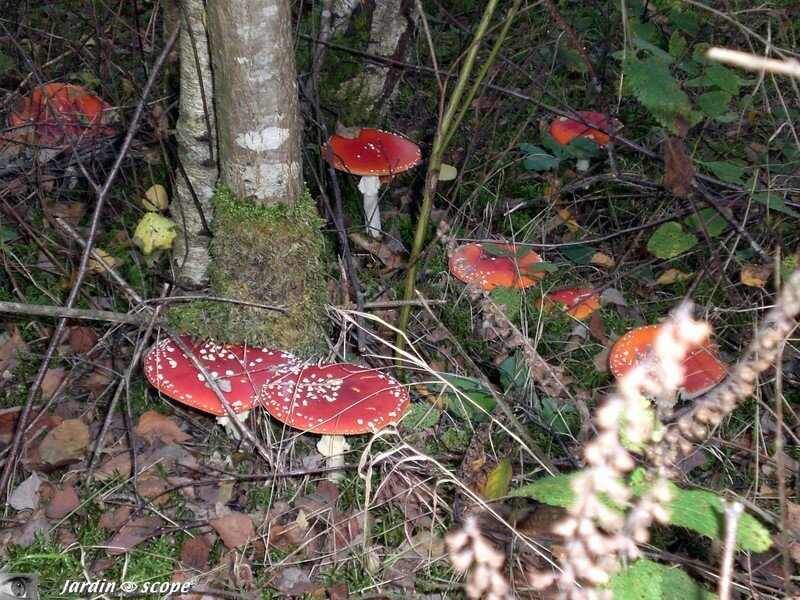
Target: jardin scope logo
19	586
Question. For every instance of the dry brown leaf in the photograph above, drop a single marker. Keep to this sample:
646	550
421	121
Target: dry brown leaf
679	168
65	441
53	378
155	426
81	339
196	551
152	488
8	423
26	495
110	521
756	275
602	260
120	464
133	533
294	582
234	530
11	348
63	502
382	249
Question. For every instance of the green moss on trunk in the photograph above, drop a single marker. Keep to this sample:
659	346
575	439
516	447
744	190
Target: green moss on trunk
262	255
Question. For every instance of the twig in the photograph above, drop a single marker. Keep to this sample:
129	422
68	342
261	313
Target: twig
17	308
752	62
733	512
102	196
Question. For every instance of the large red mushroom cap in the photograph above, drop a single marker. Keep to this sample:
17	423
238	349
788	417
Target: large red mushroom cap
580	302
335	399
564	129
373	152
702	368
239	370
488	266
39	116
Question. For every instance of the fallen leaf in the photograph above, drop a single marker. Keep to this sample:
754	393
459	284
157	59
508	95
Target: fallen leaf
294	582
671	276
234	530
498	480
11	348
679	168
106	260
63	502
53	378
110	521
156	198
26	495
196	552
602	260
447	172
154	232
155	426
133	533
394	258
81	339
756	275
152	488
65	441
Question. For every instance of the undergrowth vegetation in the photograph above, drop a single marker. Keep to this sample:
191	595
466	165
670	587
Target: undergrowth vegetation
522	468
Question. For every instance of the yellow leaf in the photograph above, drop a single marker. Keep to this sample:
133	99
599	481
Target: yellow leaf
756	275
96	265
156	198
602	260
154	232
447	172
498	481
673	276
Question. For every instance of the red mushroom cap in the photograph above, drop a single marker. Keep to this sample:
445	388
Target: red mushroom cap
81	112
564	129
488	266
702	368
335	399
239	370
373	152
581	302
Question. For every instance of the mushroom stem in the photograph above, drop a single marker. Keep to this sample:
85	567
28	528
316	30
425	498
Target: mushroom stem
333	447
369	186
233	430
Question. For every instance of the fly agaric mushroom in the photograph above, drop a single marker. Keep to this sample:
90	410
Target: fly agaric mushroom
564	130
373	154
335	400
488	266
240	371
702	368
580	302
55	112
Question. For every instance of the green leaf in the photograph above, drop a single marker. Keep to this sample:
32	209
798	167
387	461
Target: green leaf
648	580
723	78
513	372
714	223
714	104
677	44
154	232
421	416
702	512
554	491
775	202
474	403
563	419
725	171
498	481
654	86
669	241
788	265
538	159
578	254
510	299
8	235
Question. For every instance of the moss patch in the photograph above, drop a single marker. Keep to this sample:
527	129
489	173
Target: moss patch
261	255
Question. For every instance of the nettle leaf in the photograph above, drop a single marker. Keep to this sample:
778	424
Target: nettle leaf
510	299
677	44
669	241
538	159
775	202
714	104
420	415
655	87
578	254
561	418
496	250
714	223
513	372
474	403
725	171
498	481
648	580
554	491
723	78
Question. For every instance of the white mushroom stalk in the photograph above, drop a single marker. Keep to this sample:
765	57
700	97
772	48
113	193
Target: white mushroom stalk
369	186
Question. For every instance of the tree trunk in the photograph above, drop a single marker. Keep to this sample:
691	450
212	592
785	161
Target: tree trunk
267	244
196	137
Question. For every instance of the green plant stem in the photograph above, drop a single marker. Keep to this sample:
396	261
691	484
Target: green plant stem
448	124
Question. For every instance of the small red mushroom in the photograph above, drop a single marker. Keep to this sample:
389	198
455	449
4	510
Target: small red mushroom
564	130
239	370
335	400
580	302
702	368
488	266
373	154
